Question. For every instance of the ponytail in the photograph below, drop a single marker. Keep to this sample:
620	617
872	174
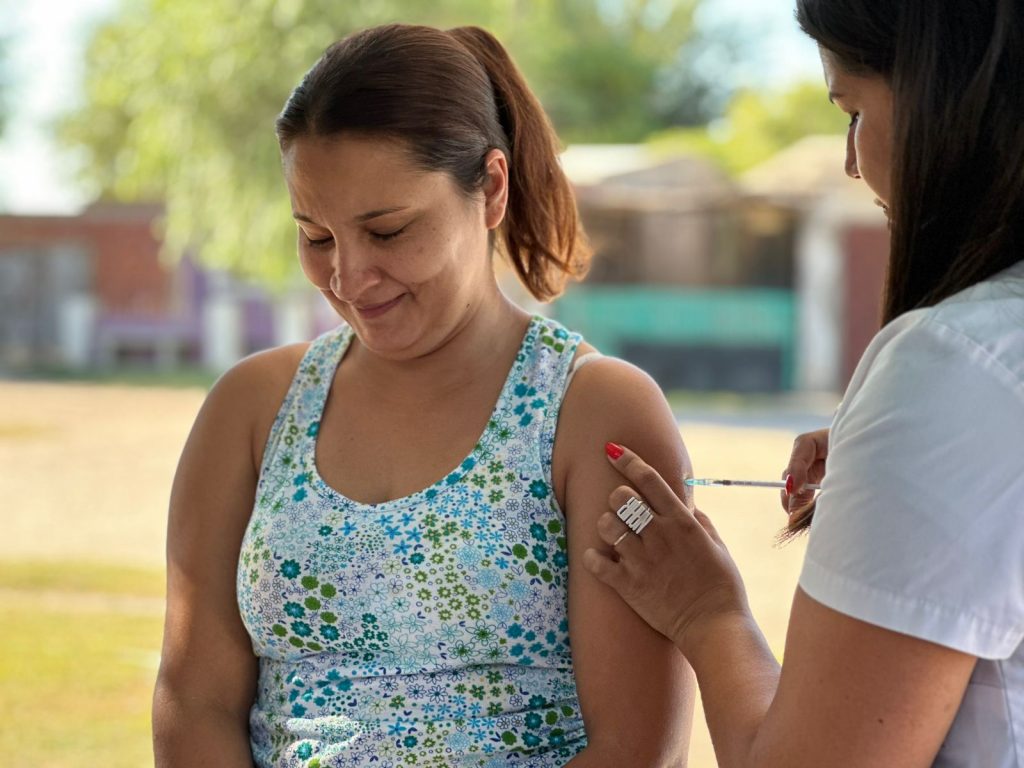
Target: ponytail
542	235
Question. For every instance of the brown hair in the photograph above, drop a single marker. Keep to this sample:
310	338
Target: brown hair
451	97
957	200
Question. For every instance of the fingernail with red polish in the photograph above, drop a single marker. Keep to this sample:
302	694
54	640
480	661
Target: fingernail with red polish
614	451
789	484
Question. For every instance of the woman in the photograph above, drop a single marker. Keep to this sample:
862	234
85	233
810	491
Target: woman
905	640
368	561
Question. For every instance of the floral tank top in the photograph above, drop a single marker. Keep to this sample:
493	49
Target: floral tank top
431	630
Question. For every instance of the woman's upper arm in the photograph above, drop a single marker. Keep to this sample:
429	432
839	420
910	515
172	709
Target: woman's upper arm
854	694
207	655
636	690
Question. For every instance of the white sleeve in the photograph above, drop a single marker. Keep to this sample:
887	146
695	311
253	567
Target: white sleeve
920	522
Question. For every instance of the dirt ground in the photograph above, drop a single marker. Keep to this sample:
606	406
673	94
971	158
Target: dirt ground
85	472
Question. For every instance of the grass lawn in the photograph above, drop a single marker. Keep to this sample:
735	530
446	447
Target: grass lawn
141	376
79	645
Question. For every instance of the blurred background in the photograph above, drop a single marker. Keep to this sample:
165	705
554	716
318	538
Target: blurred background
146	244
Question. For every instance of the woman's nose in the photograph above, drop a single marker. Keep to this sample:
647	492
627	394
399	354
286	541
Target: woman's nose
336	284
351	274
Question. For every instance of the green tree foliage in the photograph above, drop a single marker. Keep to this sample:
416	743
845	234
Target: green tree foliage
602	67
181	97
758	124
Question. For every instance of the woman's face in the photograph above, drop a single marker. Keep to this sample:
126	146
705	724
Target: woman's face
400	253
868	102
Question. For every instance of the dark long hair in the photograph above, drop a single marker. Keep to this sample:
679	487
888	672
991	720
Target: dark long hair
956	68
451	97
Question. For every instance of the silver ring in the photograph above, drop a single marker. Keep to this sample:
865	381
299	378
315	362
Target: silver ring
635	514
618	540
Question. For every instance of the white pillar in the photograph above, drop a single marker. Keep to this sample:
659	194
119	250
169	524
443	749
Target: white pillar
820	309
293	318
76	329
222	326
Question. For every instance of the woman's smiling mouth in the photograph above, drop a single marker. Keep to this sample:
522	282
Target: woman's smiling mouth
370	311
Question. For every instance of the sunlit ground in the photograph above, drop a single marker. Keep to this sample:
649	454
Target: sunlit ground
85	475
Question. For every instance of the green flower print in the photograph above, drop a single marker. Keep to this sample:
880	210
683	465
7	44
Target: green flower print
426	630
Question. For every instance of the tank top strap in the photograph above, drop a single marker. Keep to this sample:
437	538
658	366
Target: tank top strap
298	420
533	403
578	363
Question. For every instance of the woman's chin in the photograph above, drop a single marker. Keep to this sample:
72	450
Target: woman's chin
390	344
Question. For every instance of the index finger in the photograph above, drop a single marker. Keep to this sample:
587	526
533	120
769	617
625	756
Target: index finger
646	479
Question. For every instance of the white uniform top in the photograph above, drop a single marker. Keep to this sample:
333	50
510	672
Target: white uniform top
920	522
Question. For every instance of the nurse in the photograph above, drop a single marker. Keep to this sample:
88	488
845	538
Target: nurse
904	645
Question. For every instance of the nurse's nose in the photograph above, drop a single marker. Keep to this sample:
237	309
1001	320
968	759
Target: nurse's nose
851	157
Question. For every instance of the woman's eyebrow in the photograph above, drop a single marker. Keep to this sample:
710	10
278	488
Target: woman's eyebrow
379	212
362	217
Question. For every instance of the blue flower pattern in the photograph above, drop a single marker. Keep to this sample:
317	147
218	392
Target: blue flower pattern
426	631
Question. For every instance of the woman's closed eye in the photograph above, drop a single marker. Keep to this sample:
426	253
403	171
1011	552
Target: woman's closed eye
382	237
319	243
385	236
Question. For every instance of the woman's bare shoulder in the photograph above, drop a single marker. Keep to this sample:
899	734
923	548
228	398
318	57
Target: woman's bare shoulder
250	393
612	400
610	383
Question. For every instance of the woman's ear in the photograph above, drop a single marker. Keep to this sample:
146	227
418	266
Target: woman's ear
495	188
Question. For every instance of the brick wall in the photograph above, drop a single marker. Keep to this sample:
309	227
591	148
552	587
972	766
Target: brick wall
127	275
